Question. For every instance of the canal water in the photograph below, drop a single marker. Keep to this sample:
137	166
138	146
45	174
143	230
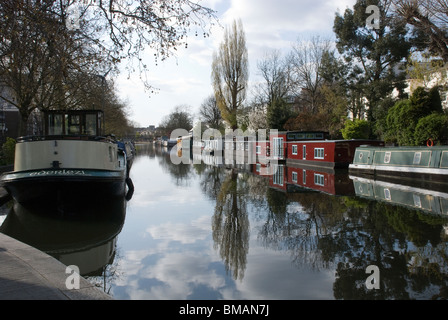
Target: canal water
206	231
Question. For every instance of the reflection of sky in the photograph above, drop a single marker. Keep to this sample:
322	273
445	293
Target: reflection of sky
167	250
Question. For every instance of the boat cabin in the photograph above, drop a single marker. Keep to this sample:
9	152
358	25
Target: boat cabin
73	122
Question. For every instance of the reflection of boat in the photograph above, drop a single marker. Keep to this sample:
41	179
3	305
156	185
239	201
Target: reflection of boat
72	158
423	163
425	199
82	237
293	179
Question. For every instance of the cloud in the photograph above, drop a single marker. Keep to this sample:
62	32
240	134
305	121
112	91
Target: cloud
198	230
185	79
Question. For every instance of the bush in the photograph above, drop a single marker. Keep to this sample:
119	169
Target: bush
434	126
357	129
402	119
8	150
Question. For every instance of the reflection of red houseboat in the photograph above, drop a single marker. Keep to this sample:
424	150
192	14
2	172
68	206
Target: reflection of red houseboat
327	181
298	179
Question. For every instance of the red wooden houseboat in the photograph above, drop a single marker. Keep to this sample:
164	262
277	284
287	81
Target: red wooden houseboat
324	153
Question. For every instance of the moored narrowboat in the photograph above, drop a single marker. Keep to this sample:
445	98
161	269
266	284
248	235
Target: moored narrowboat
425	163
72	160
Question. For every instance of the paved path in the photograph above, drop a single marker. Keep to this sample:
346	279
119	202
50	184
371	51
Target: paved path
29	274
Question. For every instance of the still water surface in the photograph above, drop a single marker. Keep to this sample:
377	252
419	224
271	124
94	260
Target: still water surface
209	232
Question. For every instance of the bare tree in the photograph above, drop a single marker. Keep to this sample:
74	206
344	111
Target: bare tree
230	73
276	73
210	113
306	60
48	63
430	19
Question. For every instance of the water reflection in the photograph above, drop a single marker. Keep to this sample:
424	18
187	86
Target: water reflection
230	224
84	235
210	231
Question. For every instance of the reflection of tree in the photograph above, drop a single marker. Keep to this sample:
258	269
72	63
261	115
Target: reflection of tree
181	173
404	244
297	222
211	180
349	234
231	225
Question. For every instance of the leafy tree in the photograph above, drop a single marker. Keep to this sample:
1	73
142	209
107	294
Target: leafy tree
403	118
278	112
356	129
434	126
230	73
8	151
373	55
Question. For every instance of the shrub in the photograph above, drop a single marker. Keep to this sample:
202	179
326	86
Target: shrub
357	129
434	126
8	150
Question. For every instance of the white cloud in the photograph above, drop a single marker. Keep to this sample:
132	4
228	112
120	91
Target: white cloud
186	234
268	25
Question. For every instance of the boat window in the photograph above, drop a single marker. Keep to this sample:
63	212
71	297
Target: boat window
417	157
319	135
74	124
387	195
319	179
294	176
304	177
319	153
294	149
417	200
304	153
55	124
387	157
90	127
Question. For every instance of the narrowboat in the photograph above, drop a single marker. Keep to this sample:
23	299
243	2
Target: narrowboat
422	163
72	160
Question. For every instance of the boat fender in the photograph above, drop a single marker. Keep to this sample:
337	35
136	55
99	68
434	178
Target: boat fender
430	143
130	192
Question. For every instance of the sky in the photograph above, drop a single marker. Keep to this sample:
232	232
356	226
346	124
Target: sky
185	79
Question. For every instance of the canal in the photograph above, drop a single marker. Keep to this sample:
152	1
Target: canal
202	231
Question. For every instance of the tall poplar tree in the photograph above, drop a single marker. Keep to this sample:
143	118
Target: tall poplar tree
230	73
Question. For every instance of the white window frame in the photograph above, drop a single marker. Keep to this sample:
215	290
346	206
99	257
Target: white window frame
294	176
294	149
278	147
319	153
258	149
319	179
